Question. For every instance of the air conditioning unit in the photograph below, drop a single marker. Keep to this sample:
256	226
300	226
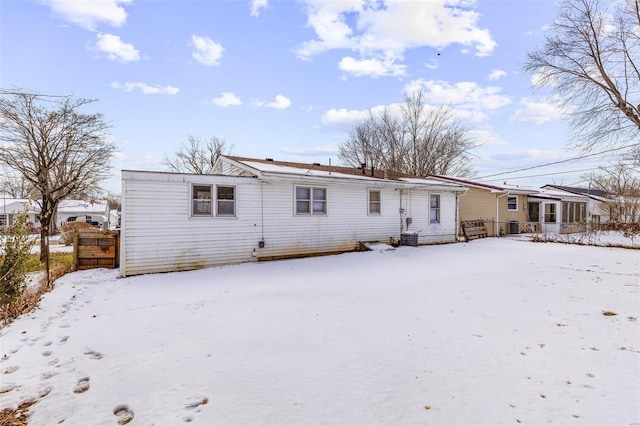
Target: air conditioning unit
514	227
409	239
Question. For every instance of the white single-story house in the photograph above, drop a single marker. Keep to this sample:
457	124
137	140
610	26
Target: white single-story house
95	212
254	209
12	206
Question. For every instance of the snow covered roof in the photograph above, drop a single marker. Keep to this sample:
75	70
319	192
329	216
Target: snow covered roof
269	166
511	189
591	193
83	207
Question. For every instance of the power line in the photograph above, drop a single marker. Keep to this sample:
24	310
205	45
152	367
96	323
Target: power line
561	161
543	174
554	173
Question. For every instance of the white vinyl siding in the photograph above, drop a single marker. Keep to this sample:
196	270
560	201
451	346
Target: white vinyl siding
159	233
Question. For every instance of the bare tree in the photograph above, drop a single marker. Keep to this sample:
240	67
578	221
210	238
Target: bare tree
419	140
54	147
622	181
591	61
197	155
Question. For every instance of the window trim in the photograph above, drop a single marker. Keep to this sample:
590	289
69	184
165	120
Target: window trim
437	209
513	209
193	200
233	201
378	202
311	201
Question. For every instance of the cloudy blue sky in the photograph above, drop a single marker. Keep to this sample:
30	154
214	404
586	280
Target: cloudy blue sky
287	79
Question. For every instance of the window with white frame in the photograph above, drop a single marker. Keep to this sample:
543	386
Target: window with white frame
573	212
310	200
374	202
434	208
226	200
550	213
201	200
512	203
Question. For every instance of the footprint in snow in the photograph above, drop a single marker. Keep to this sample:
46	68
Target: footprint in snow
93	354
10	370
82	386
124	414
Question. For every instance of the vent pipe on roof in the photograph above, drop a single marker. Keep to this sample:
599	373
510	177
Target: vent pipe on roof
269	159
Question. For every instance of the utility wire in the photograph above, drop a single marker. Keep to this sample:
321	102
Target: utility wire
561	161
554	173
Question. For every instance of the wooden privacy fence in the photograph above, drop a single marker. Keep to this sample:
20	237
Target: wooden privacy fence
96	249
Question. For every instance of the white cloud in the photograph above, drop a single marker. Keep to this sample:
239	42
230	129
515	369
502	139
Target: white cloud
88	14
115	48
206	51
371	67
497	75
467	95
485	137
538	112
256	5
343	118
145	88
227	99
280	102
385	29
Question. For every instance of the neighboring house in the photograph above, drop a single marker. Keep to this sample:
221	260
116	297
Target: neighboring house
95	212
503	208
557	211
255	209
510	209
12	206
599	203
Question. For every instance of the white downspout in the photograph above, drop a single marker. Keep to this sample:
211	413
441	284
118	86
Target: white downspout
498	212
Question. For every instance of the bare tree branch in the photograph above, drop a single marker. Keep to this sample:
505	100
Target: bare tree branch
197	155
590	60
419	140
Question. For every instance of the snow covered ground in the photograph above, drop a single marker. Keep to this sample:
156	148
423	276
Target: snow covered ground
495	331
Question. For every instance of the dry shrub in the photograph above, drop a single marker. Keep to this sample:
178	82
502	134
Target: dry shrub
69	230
608	313
31	296
17	417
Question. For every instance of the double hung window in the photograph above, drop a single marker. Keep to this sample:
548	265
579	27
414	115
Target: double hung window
201	200
434	208
311	200
374	202
226	200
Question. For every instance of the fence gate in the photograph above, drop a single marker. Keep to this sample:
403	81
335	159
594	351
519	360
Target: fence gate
96	249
